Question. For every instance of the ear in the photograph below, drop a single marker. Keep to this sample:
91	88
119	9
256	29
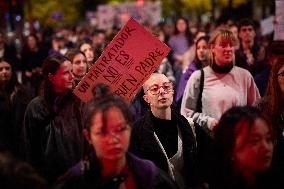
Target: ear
50	77
145	97
86	134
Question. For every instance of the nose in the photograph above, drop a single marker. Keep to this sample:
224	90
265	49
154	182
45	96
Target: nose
113	138
82	64
162	90
267	145
71	76
5	71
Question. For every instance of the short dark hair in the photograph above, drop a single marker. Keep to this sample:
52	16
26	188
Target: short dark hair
246	22
71	53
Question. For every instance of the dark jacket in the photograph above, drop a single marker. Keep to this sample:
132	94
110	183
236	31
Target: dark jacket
258	65
12	109
53	139
144	145
86	175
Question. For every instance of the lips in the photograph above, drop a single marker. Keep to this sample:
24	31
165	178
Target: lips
162	100
115	151
266	159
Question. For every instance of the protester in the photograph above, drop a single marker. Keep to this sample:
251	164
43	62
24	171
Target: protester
250	55
109	165
79	64
86	47
163	136
14	99
180	44
243	149
59	45
222	86
32	57
201	60
99	42
54	121
272	106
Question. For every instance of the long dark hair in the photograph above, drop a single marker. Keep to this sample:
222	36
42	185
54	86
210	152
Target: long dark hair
50	66
9	89
232	122
198	62
188	34
13	82
273	92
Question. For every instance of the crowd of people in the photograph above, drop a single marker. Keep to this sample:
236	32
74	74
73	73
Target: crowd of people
209	117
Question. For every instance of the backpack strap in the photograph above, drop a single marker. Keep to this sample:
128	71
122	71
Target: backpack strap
198	107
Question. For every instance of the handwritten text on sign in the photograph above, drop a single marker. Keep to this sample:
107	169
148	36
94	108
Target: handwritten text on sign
131	57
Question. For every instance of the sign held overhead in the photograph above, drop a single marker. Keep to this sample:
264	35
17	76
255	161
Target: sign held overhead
126	63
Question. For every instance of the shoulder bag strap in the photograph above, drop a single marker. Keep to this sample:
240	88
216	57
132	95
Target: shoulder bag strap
198	107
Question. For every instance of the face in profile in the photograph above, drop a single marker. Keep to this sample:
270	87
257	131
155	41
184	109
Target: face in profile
223	50
62	79
79	65
158	92
254	147
110	139
88	51
5	72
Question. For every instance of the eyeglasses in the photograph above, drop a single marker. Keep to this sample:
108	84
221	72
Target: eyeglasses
155	89
281	74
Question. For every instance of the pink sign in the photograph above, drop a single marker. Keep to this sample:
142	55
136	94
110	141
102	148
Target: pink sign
126	63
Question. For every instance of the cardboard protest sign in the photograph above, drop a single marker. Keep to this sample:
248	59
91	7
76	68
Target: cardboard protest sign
126	63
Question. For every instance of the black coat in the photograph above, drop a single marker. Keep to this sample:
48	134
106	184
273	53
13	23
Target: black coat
12	109
144	145
54	141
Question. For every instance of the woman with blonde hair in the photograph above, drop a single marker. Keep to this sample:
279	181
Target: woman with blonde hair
221	85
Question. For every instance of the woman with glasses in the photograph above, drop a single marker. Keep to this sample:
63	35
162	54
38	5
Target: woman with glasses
164	136
108	164
222	86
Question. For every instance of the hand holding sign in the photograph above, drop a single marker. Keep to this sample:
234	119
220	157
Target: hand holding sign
131	57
